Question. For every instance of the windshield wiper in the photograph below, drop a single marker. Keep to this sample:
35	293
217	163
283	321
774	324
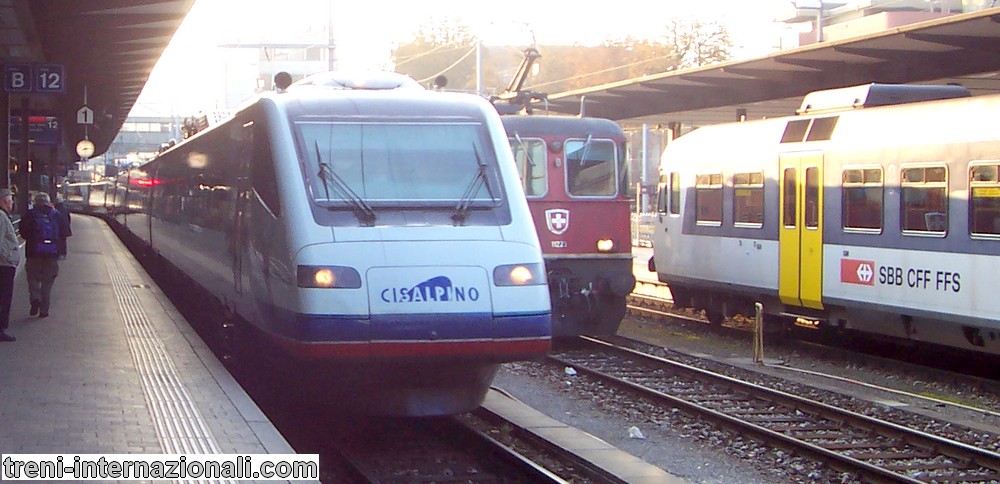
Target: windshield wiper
364	212
481	178
586	149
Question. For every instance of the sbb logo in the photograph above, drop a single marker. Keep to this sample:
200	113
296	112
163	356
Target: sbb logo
857	272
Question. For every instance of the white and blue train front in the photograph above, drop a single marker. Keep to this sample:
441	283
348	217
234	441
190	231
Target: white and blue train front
383	231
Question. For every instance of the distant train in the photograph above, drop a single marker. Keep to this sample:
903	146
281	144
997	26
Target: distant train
876	209
575	175
372	230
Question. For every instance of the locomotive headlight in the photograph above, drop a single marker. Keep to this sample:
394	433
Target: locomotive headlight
605	245
328	277
519	275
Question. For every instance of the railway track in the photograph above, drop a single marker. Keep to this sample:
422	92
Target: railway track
847	441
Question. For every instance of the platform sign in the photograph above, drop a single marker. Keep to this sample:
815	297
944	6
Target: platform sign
38	78
50	78
42	130
17	77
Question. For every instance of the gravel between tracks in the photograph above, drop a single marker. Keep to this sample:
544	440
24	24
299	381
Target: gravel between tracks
695	451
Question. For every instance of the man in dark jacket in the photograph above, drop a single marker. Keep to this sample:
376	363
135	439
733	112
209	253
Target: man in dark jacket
40	229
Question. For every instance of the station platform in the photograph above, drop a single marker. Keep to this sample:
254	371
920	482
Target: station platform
115	368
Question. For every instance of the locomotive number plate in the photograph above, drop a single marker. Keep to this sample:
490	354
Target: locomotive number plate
559	244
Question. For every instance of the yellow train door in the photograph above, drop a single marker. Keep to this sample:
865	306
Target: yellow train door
800	237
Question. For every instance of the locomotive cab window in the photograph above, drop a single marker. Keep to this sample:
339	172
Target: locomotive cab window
924	201
984	206
668	194
748	199
529	155
591	168
862	199
708	199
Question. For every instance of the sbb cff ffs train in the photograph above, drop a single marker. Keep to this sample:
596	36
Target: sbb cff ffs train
373	231
575	175
876	209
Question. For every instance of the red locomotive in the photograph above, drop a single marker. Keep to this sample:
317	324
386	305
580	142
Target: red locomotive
575	174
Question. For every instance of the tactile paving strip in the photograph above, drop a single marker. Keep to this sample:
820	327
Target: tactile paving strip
179	425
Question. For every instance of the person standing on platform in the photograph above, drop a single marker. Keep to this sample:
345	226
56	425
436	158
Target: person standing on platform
64	214
40	229
10	257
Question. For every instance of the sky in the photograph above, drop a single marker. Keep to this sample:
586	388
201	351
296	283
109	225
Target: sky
183	81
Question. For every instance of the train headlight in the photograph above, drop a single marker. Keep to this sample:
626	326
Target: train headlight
519	275
605	245
329	277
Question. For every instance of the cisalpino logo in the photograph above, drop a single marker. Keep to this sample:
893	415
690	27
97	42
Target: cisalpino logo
854	271
438	289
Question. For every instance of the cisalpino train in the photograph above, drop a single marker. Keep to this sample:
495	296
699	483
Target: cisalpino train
876	209
373	231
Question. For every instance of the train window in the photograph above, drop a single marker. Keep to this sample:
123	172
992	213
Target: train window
662	195
708	199
862	198
984	206
822	128
924	202
812	197
748	199
262	176
795	131
591	168
790	200
675	193
529	155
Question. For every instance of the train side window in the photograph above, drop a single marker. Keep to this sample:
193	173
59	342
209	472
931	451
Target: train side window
790	200
924	201
529	156
812	197
984	205
748	199
708	199
262	176
862	199
662	195
675	193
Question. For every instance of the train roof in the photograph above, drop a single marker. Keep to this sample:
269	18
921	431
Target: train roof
561	125
873	95
358	81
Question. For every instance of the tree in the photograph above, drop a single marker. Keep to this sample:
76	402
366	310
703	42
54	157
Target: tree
448	47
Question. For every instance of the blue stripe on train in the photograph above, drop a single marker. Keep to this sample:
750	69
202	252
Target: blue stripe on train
402	327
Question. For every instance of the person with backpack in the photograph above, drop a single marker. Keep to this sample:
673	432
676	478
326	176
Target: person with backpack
40	229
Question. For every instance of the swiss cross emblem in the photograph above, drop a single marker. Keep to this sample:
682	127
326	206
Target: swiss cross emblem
557	219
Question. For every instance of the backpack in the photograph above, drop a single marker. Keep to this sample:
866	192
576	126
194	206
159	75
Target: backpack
45	236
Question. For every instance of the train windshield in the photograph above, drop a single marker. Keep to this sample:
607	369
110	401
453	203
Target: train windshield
364	165
591	167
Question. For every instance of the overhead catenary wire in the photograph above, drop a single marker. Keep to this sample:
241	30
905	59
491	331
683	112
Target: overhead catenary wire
446	69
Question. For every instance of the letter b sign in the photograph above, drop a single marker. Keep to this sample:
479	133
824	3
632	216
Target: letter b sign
17	77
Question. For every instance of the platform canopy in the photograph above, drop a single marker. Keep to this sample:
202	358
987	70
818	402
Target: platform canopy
960	49
106	47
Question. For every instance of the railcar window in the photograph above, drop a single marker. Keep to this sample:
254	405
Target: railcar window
675	193
393	163
262	176
795	130
985	199
708	199
924	200
862	199
822	128
748	199
529	155
789	199
812	195
591	168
